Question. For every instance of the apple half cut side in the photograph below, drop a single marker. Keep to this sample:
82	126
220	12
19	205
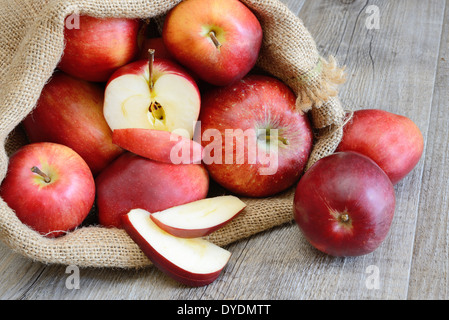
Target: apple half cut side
199	218
193	262
149	94
157	145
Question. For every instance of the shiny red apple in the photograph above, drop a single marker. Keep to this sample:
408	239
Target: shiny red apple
133	182
255	141
344	205
97	47
218	40
393	141
50	188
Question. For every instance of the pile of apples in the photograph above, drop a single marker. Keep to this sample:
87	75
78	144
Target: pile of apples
135	125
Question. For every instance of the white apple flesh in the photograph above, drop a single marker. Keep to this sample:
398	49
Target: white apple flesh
167	98
199	218
193	262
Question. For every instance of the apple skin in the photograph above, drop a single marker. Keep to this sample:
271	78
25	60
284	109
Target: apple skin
255	102
53	208
99	47
345	183
132	181
393	141
70	112
236	27
189	278
158	145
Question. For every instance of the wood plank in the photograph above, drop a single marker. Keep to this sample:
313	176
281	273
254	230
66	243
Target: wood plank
392	68
429	278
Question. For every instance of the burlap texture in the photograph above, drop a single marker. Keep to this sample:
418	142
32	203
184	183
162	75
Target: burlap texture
31	44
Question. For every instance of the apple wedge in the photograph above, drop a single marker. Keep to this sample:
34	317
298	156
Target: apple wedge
199	218
157	145
193	262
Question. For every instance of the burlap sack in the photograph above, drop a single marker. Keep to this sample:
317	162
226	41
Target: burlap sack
31	44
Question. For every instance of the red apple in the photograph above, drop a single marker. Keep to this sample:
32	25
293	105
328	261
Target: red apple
344	205
218	40
70	112
166	99
159	145
255	142
199	218
133	182
50	188
193	262
393	141
98	47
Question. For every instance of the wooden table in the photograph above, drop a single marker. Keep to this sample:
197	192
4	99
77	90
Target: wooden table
399	63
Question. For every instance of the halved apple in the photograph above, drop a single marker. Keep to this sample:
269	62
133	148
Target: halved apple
152	94
199	218
193	262
162	146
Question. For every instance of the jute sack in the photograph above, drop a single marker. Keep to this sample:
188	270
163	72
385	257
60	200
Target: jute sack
31	44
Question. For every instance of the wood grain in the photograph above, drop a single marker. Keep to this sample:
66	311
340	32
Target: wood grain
402	67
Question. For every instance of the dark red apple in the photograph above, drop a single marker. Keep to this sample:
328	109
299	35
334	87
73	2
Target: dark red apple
70	112
393	141
133	182
255	141
344	205
50	188
99	47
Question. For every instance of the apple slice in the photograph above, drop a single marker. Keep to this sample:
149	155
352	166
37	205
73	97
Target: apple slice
152	94
157	145
193	262
199	218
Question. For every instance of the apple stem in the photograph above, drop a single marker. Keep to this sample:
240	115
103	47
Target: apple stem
151	64
344	218
38	171
267	138
214	39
